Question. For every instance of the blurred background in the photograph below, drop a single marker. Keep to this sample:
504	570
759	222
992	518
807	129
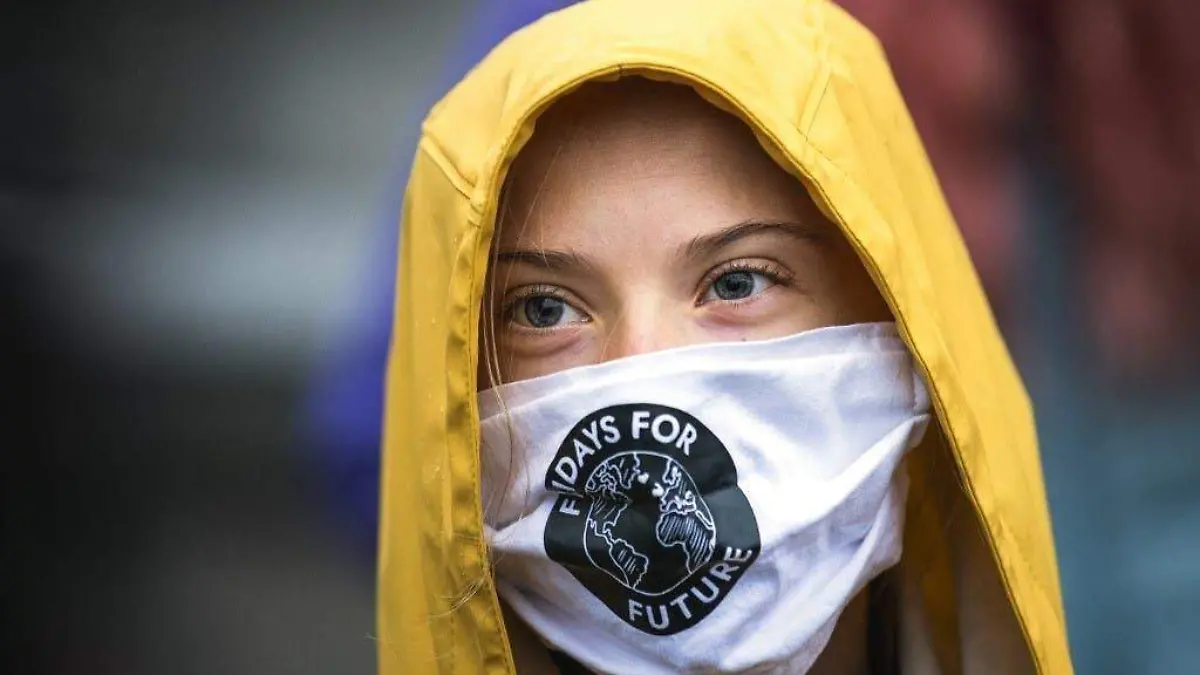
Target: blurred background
198	207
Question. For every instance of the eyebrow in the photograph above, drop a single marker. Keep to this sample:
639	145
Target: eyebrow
709	244
547	259
699	247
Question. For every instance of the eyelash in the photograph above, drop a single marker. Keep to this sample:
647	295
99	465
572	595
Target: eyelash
776	273
536	291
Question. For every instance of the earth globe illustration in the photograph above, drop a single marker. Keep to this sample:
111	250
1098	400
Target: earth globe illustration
647	525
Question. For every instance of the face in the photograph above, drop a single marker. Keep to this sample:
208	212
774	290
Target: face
640	218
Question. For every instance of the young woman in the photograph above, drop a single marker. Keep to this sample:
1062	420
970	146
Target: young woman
691	372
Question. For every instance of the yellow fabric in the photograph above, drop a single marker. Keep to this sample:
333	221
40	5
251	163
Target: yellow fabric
816	88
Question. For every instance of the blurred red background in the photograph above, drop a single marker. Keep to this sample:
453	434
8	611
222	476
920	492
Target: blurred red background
1112	88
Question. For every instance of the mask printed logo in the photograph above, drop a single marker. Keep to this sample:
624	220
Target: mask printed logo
649	516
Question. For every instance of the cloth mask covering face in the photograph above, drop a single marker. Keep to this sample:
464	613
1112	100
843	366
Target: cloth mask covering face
705	509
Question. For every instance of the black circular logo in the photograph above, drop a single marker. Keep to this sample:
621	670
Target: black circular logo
649	516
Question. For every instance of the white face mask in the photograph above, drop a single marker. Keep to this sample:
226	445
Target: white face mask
706	509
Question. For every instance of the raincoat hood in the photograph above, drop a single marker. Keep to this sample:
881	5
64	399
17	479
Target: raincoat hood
979	589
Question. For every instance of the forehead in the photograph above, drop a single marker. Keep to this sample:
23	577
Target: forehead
644	155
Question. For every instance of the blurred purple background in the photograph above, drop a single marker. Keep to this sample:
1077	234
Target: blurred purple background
197	226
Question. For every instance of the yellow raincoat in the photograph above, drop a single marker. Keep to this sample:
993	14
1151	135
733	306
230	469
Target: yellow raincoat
980	591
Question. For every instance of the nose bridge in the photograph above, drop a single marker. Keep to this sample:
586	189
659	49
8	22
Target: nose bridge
645	325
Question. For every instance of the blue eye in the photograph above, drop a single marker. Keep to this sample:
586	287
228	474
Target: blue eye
544	311
738	285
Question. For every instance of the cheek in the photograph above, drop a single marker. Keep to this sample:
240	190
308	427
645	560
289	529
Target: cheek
523	360
852	294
